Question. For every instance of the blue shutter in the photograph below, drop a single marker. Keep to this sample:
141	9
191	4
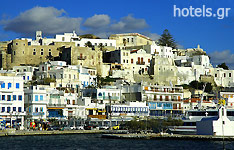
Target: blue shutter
3	85
9	85
14	97
41	97
17	85
19	109
36	97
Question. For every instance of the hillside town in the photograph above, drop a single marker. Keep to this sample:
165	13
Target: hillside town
73	79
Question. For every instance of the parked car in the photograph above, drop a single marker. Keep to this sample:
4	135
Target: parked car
80	127
66	128
103	127
115	127
89	127
51	128
72	127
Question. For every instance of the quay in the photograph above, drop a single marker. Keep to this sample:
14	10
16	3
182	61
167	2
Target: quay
171	137
55	132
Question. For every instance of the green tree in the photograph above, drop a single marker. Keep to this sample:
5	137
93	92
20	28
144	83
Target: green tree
166	39
88	44
224	66
101	47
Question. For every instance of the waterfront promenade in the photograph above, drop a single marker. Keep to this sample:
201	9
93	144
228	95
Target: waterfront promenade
11	132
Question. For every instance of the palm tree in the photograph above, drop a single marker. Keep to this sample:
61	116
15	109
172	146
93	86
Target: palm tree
50	57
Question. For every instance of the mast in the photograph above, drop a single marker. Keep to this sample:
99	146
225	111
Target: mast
204	87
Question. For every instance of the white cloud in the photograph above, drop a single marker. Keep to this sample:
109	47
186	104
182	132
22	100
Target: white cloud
129	24
52	21
47	19
218	57
97	21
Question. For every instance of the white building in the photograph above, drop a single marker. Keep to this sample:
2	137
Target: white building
217	126
136	60
36	102
161	51
103	95
70	37
223	77
12	100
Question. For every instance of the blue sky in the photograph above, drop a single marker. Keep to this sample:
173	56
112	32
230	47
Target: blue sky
104	17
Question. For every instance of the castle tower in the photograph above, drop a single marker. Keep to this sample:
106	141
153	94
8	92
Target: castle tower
38	35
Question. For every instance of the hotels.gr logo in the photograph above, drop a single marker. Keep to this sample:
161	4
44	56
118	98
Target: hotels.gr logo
220	13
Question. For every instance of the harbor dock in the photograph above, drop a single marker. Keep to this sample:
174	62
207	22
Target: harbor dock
168	136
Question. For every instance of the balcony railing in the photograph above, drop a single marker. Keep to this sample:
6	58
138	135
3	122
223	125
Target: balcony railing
56	105
140	63
81	57
97	116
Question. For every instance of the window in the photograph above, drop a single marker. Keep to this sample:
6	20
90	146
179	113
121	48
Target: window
14	52
16	43
50	53
3	109
8	109
23	77
14	108
3	85
36	109
132	61
41	109
41	97
126	53
68	101
224	75
132	39
34	51
230	74
14	97
148	60
216	75
9	85
127	61
29	109
20	97
27	77
63	38
123	53
8	97
42	53
17	85
36	97
19	109
3	97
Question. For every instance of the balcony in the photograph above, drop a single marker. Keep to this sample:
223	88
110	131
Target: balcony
97	116
140	63
38	113
81	57
56	105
